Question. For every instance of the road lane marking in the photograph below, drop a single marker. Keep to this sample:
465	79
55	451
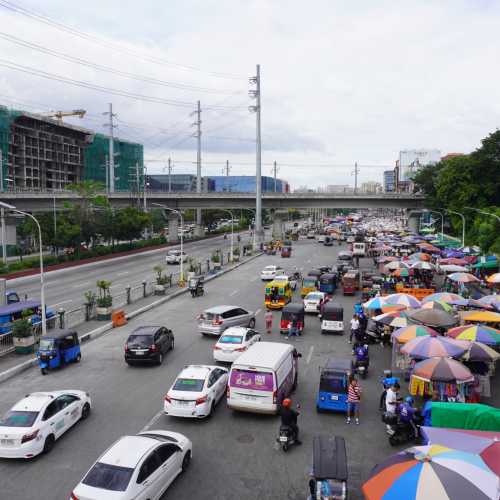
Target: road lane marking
61	303
257	311
309	356
81	284
234	292
152	421
123	273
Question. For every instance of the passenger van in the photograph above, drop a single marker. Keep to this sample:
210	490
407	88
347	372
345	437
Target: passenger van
262	377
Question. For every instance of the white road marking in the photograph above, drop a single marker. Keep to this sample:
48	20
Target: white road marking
81	284
123	273
309	356
61	303
257	311
234	292
152	421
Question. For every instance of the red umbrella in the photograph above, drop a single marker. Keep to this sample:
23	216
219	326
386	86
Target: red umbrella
453	260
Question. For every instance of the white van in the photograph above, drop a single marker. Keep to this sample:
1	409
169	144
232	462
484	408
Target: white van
262	377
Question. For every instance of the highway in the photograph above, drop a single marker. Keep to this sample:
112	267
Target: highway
66	288
234	454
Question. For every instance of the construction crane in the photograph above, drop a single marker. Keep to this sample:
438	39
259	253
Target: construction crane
59	114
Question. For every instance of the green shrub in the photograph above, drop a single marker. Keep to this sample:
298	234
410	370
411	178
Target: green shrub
22	328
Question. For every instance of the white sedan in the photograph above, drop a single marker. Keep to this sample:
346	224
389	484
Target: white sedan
136	467
175	257
313	301
34	424
270	272
233	342
196	391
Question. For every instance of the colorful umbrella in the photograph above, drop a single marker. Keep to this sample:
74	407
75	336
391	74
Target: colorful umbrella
453	261
386	258
444	296
404	335
463	278
431	347
483	317
479	305
477	351
490	299
422	264
445	370
429	248
453	268
420	256
433	317
483	443
404	299
393	307
432	472
374	303
397	319
396	264
437	304
402	273
478	333
494	278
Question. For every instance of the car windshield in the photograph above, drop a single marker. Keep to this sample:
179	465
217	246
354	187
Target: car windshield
231	339
314	296
188	384
308	283
333	384
19	419
210	316
46	344
108	477
142	340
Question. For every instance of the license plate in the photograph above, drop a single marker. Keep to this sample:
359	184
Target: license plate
183	403
283	439
250	398
334	398
7	442
227	351
139	353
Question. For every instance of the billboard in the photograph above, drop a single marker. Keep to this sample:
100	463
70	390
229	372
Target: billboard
410	160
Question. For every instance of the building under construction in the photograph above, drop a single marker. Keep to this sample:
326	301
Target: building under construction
42	154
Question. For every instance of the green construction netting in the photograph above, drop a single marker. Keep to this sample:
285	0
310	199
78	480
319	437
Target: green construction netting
7	116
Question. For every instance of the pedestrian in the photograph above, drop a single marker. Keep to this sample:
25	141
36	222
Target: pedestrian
292	327
353	399
269	321
354	327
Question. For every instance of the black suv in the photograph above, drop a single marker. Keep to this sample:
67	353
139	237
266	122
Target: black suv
148	344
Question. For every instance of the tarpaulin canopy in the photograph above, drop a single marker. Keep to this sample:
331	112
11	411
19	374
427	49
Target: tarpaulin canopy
465	416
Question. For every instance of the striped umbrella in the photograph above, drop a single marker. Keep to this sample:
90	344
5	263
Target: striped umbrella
445	370
423	265
477	351
437	304
404	335
494	278
374	303
402	273
490	300
386	258
463	278
404	299
397	319
431	347
453	268
432	472
478	333
483	317
444	296
393	307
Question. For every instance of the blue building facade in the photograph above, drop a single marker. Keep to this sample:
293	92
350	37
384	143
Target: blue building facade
245	184
389	181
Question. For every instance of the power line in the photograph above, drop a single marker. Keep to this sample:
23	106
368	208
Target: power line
106	43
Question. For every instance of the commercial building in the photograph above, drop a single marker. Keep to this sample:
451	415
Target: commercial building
371	187
182	183
389	181
336	188
246	184
39	154
411	160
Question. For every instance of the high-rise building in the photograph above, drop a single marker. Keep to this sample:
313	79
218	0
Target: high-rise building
371	187
389	181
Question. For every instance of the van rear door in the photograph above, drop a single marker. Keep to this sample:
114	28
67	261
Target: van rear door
252	386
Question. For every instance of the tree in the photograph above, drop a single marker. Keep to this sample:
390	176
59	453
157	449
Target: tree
130	223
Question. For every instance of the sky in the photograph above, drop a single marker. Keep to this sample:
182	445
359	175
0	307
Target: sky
342	81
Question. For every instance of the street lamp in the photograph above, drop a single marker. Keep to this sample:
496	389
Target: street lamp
42	286
483	212
254	242
463	223
232	229
442	220
179	213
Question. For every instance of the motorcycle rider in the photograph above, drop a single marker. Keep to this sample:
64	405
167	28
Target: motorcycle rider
289	418
361	354
407	414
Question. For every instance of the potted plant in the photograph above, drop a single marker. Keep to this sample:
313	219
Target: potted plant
90	299
22	334
161	280
216	260
236	254
104	301
192	267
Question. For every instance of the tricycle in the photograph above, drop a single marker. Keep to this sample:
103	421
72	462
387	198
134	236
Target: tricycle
196	286
58	349
333	384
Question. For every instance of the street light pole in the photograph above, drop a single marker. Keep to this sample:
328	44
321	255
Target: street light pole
42	285
483	212
232	231
463	223
442	221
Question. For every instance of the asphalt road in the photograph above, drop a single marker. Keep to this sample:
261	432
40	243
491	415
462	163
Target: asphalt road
66	288
234	454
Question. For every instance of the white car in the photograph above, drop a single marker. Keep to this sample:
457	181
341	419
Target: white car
33	425
311	235
196	391
270	272
233	342
313	301
136	467
175	256
321	238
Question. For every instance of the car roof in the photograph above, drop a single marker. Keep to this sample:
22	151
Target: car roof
128	451
61	334
235	330
293	307
36	401
146	330
196	371
220	309
272	267
263	355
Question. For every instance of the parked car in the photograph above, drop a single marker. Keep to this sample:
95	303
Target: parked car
33	425
148	344
217	319
233	342
196	391
175	257
141	466
270	272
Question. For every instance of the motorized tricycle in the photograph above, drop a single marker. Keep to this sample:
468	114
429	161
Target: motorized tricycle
58	349
333	385
291	310
196	286
332	318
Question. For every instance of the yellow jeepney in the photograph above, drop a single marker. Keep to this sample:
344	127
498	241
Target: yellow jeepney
278	293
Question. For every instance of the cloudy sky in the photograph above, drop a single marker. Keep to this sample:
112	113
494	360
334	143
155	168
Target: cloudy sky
342	80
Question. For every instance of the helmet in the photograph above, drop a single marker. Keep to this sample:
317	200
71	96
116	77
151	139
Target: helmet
286	403
409	400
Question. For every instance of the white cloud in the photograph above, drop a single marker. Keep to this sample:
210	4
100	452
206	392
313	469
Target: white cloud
342	81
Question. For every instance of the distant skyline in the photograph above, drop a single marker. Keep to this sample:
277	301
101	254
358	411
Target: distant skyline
342	81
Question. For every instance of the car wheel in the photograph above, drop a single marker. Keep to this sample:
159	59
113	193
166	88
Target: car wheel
251	324
172	344
160	359
49	443
44	371
185	461
78	358
85	411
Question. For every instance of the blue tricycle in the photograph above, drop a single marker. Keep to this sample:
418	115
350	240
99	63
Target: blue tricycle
58	349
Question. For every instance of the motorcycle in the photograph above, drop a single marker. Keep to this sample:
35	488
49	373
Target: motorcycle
402	432
361	362
286	437
196	286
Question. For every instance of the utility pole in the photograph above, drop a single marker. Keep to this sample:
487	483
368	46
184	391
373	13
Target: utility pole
255	80
275	169
169	175
106	169
225	171
1	172
198	160
356	172
111	148
227	168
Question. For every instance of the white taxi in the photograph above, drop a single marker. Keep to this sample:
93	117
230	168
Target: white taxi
33	424
233	342
270	272
313	301
196	391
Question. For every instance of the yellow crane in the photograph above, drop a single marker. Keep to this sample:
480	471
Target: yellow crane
60	114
